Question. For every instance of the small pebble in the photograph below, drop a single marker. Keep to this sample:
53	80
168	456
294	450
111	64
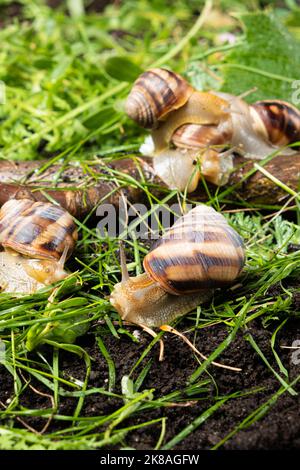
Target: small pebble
137	334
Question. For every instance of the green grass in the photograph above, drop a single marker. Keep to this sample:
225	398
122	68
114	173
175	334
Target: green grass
66	77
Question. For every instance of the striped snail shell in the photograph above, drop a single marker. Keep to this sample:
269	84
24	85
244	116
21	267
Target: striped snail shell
281	121
201	136
198	253
37	237
37	229
154	94
201	250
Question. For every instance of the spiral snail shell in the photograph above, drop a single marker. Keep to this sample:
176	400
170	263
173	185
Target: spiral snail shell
37	237
154	94
198	254
281	121
201	136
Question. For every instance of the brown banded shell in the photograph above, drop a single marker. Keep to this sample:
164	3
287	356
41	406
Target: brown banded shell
281	121
37	229
154	94
201	250
201	136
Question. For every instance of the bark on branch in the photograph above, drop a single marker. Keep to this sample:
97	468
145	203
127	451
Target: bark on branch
81	189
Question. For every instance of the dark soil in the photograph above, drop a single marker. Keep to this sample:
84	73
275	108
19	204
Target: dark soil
279	429
93	5
8	12
14	10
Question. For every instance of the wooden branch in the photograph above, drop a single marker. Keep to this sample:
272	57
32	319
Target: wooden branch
72	187
80	190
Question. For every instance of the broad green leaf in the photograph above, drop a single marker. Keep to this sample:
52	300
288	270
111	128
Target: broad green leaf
268	59
77	315
122	69
60	331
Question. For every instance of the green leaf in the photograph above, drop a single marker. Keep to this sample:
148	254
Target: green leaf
68	319
59	331
267	59
122	69
76	8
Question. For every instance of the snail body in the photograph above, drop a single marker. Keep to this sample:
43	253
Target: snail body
17	276
255	129
142	301
37	238
198	254
255	133
205	144
202	108
191	128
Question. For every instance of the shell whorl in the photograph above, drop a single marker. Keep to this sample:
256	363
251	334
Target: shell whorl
281	121
37	229
201	136
154	94
201	250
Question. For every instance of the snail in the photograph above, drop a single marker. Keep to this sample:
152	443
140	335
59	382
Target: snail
261	128
198	254
158	93
190	127
37	238
163	101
